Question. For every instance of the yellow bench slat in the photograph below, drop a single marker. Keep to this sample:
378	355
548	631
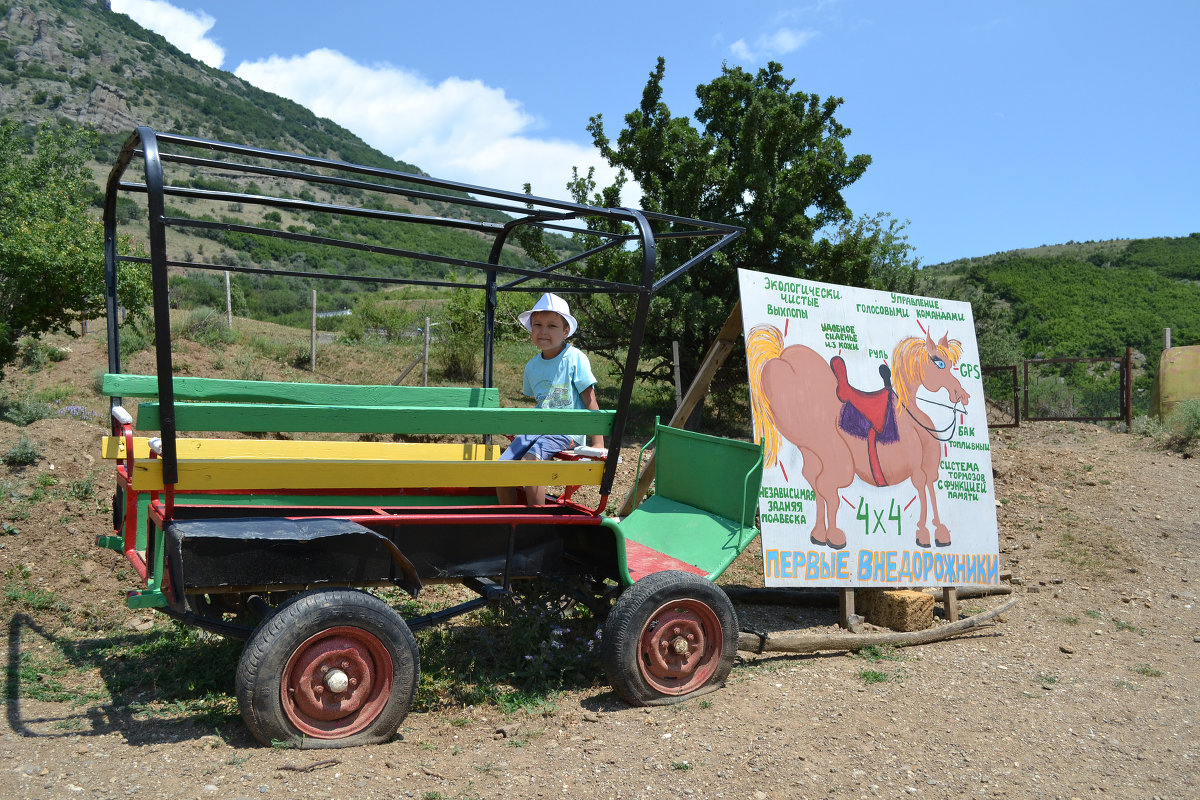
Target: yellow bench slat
297	449
276	475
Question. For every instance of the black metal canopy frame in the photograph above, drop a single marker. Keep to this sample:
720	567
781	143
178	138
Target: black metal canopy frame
378	194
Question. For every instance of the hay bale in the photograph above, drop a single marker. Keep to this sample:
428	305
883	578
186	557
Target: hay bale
897	609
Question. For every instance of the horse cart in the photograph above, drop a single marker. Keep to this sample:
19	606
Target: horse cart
269	511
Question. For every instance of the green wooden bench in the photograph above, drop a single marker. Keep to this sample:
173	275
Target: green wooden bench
233	391
699	519
211	405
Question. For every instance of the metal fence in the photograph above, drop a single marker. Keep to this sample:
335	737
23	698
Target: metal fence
1079	389
1061	389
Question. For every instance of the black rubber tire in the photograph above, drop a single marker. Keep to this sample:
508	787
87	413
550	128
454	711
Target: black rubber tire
365	636
697	610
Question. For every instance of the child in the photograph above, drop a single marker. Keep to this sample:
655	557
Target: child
559	377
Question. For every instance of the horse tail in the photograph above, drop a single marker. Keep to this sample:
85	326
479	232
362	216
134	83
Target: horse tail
763	343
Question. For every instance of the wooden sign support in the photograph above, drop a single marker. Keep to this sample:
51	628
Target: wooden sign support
846	608
950	603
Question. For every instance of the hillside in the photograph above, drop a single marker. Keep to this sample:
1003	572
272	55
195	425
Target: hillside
77	60
1081	299
1091	299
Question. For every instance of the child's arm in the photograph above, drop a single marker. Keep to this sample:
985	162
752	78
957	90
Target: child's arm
588	396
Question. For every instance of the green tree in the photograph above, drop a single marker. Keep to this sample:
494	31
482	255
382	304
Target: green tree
51	247
874	246
767	158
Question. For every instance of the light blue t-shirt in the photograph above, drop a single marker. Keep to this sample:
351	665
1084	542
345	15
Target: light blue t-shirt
557	382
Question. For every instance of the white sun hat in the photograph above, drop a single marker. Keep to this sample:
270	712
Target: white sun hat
551	302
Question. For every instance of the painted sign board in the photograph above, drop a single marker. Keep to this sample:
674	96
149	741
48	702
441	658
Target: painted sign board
878	467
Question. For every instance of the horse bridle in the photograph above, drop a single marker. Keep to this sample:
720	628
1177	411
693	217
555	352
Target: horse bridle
936	433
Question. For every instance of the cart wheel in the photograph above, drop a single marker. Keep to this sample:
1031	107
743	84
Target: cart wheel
669	636
330	668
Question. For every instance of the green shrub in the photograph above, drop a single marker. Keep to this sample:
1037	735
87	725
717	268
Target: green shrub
135	339
204	326
1146	426
24	411
83	489
1181	428
458	353
22	454
31	354
34	354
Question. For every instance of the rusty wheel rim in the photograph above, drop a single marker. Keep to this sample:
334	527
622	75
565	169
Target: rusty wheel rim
337	683
680	647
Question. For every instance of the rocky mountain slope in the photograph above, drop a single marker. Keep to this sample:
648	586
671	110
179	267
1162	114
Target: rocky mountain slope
77	60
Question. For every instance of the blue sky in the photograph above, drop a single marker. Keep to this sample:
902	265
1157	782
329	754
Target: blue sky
992	125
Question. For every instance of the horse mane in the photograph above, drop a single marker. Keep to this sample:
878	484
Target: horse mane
763	343
907	362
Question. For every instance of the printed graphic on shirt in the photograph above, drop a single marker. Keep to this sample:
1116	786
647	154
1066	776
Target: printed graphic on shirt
556	397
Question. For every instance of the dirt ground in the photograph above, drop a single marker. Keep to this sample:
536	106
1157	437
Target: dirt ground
1088	688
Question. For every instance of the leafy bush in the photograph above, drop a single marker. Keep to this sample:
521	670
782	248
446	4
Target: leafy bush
204	326
31	354
1146	427
523	651
22	454
458	339
135	338
458	353
24	411
552	641
1181	428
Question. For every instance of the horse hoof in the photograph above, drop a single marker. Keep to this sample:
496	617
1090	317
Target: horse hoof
941	542
923	541
836	539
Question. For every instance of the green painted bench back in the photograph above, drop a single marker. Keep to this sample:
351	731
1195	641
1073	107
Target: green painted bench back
323	394
717	475
214	404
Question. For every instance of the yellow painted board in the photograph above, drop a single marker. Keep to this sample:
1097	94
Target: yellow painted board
259	450
114	447
216	474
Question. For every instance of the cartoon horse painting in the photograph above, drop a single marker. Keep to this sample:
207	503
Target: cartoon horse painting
882	437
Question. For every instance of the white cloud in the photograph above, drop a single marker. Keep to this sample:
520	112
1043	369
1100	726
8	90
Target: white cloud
461	130
771	45
185	30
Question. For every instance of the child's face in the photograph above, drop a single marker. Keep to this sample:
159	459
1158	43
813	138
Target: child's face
548	330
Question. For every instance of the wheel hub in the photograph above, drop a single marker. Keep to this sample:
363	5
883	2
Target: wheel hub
680	646
336	682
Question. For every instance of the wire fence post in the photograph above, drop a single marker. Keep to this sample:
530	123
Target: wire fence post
678	382
425	356
312	350
1129	389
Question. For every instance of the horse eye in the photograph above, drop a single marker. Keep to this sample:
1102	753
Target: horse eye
937	362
